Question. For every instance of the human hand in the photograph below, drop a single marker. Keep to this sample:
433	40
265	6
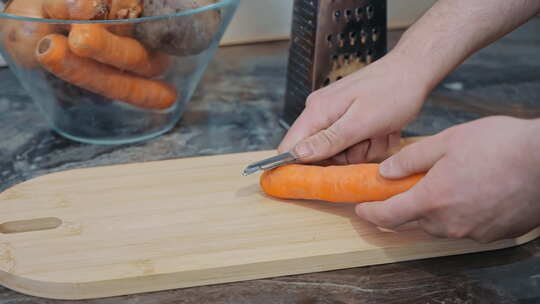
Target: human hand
358	118
482	182
363	113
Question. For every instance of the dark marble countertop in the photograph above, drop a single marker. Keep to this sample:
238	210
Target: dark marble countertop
237	108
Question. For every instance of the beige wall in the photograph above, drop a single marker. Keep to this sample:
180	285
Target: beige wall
262	20
401	13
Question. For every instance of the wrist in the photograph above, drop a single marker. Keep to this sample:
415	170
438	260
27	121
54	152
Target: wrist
532	140
422	63
409	80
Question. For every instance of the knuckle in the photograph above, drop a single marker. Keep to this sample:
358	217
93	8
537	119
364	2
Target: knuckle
403	164
328	137
403	160
457	231
315	99
377	149
437	197
428	198
450	133
358	153
384	220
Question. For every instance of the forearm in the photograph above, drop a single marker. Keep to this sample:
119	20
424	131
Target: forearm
452	30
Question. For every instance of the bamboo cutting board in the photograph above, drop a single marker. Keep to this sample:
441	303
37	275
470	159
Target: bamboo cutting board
144	227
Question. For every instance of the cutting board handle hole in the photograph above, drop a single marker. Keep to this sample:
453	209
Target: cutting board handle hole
32	225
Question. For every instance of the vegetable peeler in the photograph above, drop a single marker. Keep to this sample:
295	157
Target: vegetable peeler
270	163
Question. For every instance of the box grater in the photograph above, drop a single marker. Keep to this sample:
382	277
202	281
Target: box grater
329	40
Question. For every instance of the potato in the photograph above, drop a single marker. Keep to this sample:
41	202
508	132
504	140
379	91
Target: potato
21	37
180	36
124	9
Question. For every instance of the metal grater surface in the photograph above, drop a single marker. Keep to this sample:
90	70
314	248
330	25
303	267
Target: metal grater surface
330	39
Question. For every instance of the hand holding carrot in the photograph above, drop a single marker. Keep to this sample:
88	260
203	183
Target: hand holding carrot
482	182
354	119
358	118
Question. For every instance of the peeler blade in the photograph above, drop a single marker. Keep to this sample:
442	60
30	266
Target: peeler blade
270	163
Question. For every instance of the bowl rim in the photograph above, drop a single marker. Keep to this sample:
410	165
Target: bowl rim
217	5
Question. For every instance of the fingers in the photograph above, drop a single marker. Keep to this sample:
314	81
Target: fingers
329	141
354	155
382	147
396	211
416	158
433	228
352	127
319	114
369	150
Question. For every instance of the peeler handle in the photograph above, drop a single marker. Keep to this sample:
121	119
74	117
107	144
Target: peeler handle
270	163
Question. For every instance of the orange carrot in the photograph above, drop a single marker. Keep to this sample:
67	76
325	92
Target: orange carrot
96	42
75	9
339	184
24	8
21	37
54	55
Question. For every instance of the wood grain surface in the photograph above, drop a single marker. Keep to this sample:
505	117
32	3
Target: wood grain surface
125	229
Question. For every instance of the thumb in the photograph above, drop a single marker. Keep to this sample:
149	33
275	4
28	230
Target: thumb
394	212
319	146
415	158
342	134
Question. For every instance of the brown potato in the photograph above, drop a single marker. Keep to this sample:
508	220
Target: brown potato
180	36
124	9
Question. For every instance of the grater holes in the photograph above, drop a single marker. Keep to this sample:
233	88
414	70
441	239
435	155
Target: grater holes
359	55
363	36
348	13
341	39
352	38
337	15
375	34
330	39
369	56
359	13
370	11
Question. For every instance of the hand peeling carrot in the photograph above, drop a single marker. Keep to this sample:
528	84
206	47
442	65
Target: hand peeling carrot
127	54
55	56
338	184
75	9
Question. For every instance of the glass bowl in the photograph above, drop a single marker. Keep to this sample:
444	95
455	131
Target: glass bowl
114	81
